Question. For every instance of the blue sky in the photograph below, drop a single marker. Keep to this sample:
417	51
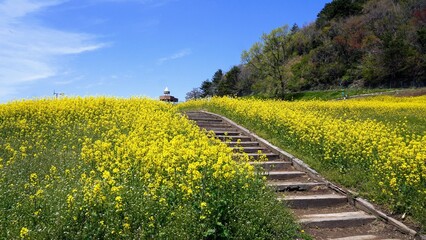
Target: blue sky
131	47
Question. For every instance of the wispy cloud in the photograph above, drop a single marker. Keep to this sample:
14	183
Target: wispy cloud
153	3
20	8
182	53
29	51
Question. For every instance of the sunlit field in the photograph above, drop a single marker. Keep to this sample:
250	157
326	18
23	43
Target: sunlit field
106	168
376	146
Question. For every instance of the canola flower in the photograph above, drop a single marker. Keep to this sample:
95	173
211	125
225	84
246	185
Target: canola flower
379	142
24	232
123	168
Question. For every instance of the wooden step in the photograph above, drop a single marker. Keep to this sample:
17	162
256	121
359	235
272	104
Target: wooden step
257	156
219	129
250	149
361	237
335	220
293	186
192	115
376	230
283	175
234	138
227	133
243	144
205	119
272	165
213	124
314	201
269	156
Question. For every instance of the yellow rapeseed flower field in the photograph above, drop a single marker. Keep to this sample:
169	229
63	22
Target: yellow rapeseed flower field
376	145
136	168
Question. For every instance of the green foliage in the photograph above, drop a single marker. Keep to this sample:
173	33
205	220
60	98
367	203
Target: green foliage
338	9
195	93
206	89
332	94
422	38
217	77
228	84
353	43
267	59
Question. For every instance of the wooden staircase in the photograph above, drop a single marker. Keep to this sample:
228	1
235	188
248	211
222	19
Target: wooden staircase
324	210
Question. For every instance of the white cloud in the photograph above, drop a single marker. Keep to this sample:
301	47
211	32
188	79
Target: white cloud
20	8
29	51
182	53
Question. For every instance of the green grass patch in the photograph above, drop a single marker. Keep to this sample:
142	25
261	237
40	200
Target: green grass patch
332	94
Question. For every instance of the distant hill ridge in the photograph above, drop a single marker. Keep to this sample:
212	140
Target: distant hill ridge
352	44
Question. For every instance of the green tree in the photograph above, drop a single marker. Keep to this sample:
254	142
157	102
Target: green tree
228	84
294	29
267	59
206	88
338	9
245	81
216	79
195	93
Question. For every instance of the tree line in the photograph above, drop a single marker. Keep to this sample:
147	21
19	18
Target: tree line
352	43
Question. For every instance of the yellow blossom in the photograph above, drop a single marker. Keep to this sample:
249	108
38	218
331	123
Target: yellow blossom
24	232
